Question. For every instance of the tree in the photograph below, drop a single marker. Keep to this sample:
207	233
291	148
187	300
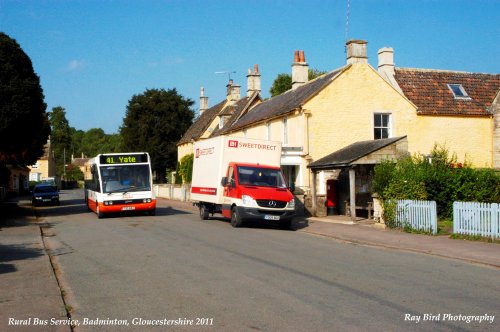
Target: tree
154	122
24	126
60	138
283	82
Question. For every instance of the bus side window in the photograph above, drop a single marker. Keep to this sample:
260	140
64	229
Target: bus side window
95	179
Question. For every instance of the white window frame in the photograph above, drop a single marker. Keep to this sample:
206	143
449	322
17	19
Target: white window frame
389	124
464	95
268	131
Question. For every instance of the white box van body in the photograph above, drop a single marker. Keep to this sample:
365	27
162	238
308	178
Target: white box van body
241	179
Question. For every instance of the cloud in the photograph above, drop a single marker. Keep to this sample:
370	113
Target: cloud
74	65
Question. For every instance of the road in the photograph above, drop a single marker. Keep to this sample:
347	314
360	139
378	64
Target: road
174	268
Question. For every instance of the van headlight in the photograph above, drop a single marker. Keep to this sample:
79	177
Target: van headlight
291	204
247	200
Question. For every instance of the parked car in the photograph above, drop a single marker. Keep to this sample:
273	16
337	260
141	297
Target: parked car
45	194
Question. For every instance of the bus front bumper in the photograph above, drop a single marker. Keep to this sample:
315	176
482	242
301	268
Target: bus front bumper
111	207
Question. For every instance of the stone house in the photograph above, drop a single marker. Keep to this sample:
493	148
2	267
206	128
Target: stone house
344	111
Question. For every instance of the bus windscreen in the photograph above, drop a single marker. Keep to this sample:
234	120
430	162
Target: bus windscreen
125	178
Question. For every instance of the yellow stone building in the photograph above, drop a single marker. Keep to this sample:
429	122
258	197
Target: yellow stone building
340	113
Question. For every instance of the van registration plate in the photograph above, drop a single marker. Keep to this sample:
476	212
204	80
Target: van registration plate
271	217
127	208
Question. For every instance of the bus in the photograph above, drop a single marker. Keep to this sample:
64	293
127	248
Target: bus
120	182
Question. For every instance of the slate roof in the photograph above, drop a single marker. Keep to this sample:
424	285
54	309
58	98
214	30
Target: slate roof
236	112
347	155
428	90
286	102
200	125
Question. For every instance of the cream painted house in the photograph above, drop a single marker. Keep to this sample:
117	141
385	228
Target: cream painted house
345	110
45	167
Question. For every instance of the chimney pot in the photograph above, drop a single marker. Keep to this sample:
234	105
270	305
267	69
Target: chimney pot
256	68
302	57
300	70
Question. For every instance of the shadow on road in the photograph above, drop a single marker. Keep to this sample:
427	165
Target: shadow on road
10	253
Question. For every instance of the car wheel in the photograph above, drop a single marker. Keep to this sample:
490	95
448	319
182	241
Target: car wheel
235	218
204	212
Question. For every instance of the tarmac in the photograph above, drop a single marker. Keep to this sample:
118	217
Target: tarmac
30	290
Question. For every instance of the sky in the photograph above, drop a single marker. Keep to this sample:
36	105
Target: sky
93	56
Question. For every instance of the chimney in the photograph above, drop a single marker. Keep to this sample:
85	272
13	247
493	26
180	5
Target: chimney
386	66
233	91
203	101
253	80
356	51
300	70
386	61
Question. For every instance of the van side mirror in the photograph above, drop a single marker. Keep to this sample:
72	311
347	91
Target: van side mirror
292	188
223	181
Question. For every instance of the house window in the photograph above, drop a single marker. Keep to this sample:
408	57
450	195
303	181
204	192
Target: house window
285	131
221	122
268	132
382	125
458	91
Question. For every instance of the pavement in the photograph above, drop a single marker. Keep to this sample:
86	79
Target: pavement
30	290
29	293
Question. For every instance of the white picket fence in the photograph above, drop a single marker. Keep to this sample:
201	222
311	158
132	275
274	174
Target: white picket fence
471	218
419	215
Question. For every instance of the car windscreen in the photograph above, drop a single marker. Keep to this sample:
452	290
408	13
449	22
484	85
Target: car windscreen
44	189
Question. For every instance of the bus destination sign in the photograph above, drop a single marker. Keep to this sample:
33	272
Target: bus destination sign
123	158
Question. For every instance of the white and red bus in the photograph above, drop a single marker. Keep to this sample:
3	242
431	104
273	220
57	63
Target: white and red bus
119	182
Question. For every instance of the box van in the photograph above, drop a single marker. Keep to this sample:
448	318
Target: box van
241	179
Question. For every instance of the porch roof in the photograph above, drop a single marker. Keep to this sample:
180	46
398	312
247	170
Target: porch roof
350	154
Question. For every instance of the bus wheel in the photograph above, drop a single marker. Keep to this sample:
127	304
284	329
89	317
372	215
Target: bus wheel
100	215
204	212
235	218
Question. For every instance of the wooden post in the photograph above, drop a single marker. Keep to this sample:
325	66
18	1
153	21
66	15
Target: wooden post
352	191
313	191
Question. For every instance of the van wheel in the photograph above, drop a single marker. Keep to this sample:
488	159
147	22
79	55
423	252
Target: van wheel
235	218
204	212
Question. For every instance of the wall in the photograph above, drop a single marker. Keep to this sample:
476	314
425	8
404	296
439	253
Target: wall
470	138
177	192
342	113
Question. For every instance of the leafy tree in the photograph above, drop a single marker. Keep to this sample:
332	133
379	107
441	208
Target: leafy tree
283	82
24	126
154	122
60	139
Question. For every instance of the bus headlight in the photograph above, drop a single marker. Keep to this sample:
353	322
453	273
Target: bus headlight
291	204
108	202
146	200
247	200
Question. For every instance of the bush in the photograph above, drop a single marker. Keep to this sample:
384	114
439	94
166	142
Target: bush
185	168
438	178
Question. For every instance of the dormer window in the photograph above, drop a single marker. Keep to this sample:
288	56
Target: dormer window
458	91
